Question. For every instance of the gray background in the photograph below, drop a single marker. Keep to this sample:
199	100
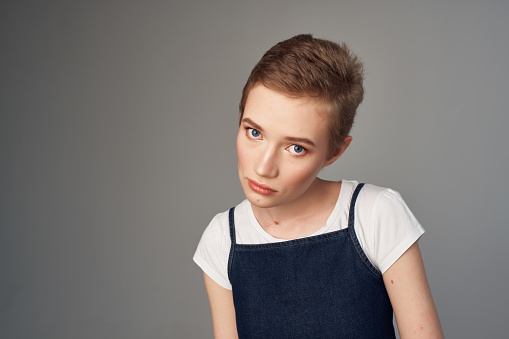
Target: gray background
117	144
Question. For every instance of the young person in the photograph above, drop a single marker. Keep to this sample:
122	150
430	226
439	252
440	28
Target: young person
303	257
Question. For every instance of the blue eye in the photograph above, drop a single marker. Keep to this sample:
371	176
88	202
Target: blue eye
253	133
296	149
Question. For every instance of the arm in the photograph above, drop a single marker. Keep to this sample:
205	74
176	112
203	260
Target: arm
411	299
223	311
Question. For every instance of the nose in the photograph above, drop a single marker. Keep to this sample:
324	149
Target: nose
267	163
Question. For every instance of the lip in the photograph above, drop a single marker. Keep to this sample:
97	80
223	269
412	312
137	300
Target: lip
260	188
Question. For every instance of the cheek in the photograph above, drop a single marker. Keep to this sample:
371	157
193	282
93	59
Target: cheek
303	175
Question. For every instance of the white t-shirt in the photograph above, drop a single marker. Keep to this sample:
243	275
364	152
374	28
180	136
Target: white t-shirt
384	225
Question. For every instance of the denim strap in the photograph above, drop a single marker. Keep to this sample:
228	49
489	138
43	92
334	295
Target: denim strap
353	235
351	215
231	220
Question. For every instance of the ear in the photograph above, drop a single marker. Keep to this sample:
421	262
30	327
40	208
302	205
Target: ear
341	149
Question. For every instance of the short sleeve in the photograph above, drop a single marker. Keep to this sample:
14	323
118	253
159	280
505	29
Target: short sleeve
393	229
213	250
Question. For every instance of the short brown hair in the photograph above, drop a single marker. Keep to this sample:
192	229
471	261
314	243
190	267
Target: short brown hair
304	66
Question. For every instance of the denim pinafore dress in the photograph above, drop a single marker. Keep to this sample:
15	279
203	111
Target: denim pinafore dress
321	286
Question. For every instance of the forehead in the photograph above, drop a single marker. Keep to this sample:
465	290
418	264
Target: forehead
294	116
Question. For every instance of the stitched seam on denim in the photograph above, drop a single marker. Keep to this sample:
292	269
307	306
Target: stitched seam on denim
353	235
363	258
231	221
362	255
284	246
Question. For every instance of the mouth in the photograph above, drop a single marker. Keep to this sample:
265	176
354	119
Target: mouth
260	188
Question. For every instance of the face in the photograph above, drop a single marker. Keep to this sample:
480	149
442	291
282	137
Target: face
282	145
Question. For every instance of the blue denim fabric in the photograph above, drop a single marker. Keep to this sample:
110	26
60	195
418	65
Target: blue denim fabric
316	287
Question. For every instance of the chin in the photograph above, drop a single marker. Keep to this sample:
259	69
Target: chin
259	200
261	203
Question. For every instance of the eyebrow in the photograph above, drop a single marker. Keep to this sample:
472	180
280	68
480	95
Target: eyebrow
293	139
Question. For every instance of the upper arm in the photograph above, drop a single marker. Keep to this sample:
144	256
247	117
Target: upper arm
223	311
410	296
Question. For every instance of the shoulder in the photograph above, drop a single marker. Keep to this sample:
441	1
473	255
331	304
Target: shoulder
388	207
217	227
211	255
380	201
214	247
369	196
385	225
